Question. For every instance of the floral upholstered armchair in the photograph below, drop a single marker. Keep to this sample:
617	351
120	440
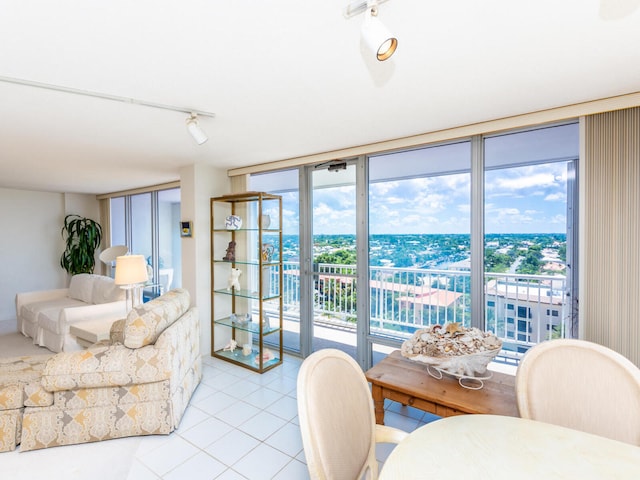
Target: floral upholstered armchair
139	383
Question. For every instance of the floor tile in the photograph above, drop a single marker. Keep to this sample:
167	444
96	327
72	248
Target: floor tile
198	467
283	385
232	447
215	403
263	397
242	388
262	425
405	410
222	381
192	416
261	463
396	420
205	433
202	392
237	413
140	471
294	470
230	474
169	455
286	407
287	439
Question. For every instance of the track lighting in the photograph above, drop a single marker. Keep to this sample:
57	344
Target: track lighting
194	129
374	34
192	121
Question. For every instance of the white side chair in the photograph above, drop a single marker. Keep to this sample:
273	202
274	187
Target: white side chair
337	419
581	385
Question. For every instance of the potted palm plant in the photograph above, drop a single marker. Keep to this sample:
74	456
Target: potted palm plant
82	238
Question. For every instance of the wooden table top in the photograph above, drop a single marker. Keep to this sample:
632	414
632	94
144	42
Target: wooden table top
397	373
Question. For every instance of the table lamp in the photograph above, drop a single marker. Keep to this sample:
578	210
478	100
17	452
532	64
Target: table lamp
131	273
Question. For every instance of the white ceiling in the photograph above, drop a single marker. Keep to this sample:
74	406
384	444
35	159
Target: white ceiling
285	78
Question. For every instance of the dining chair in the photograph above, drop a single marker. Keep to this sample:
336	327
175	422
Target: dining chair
580	385
337	420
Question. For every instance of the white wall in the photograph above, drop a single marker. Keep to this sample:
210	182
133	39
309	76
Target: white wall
31	243
198	183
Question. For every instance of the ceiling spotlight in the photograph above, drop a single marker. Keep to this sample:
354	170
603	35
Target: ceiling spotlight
194	129
374	34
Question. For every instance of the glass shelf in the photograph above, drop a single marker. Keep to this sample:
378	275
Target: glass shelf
264	230
247	294
247	262
250	360
252	327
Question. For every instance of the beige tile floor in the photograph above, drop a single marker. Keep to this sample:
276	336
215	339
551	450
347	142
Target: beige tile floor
242	425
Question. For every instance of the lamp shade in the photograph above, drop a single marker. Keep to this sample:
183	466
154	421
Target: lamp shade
377	37
131	270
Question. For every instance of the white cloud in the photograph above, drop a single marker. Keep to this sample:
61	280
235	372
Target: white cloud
528	181
555	197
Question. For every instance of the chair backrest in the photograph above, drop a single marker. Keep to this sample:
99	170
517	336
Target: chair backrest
581	385
337	420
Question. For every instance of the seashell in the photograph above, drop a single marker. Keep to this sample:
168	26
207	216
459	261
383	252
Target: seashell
454	327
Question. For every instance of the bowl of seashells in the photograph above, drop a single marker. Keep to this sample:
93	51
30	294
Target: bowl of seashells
454	349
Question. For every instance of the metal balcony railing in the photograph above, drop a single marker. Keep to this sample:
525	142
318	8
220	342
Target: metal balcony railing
522	310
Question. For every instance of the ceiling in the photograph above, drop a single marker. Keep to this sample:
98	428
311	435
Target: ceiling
285	78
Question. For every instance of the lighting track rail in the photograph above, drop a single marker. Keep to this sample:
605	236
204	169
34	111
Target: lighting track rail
356	8
106	96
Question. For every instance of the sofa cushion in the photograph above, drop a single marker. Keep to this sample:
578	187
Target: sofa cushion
105	290
49	315
146	322
30	311
15	373
81	287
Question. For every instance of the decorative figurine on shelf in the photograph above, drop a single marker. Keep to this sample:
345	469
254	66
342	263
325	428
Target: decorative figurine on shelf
267	252
234	279
231	253
231	346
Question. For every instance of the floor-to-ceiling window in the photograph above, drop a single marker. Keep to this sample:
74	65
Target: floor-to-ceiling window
419	240
148	223
477	231
530	215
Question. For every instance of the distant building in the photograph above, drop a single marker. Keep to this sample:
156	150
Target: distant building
525	311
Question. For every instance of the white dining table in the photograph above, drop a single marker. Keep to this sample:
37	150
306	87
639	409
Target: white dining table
499	447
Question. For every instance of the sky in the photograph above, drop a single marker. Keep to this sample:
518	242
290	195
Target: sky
427	190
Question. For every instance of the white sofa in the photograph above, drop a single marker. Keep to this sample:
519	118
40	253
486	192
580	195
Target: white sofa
47	315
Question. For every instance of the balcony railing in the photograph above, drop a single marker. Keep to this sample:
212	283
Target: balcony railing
522	310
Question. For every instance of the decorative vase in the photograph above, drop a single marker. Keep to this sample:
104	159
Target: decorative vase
266	221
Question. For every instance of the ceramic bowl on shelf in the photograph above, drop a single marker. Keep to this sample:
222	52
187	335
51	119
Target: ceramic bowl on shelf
233	222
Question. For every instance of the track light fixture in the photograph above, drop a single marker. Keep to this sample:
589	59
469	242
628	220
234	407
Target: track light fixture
374	34
192	121
194	129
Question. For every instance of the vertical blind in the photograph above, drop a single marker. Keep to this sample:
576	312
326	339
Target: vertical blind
610	300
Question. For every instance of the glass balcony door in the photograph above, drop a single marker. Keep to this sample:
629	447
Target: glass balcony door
333	266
